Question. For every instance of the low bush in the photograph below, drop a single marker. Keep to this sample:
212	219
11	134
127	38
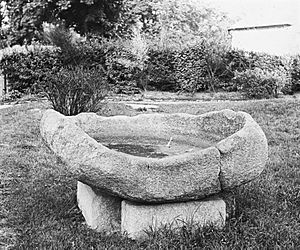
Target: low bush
272	66
278	67
74	90
257	83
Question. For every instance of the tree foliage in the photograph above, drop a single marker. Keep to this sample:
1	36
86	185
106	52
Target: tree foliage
166	21
175	22
143	13
27	17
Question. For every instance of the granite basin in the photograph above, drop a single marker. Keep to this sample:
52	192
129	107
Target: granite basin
158	158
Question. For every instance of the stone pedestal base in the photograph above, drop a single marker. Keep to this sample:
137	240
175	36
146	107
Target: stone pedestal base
106	213
137	218
101	212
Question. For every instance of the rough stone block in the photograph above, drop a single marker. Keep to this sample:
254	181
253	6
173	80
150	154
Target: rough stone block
137	218
101	211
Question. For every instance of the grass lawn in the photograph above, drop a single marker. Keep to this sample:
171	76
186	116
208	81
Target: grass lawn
38	196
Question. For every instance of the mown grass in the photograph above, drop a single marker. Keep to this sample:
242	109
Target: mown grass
38	195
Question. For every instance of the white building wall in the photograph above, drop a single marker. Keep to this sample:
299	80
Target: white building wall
278	41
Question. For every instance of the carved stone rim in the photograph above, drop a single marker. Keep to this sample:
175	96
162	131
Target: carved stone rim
232	161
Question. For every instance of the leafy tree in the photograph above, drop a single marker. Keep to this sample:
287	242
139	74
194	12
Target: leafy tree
143	13
2	26
183	23
174	22
95	16
170	21
27	17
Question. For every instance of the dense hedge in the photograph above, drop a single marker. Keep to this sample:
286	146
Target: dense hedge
74	80
187	70
165	69
121	71
178	70
26	69
240	60
270	66
190	69
295	73
161	69
257	83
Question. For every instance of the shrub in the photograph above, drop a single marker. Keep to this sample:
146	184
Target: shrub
194	68
76	89
76	51
240	61
235	61
257	83
161	69
295	73
276	67
119	71
27	66
138	49
266	61
113	55
214	55
127	63
190	69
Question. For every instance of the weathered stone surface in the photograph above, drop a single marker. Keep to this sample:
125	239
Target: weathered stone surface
227	141
182	177
243	154
210	127
137	218
101	212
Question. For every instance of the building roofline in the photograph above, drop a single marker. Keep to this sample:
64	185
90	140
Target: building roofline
261	27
